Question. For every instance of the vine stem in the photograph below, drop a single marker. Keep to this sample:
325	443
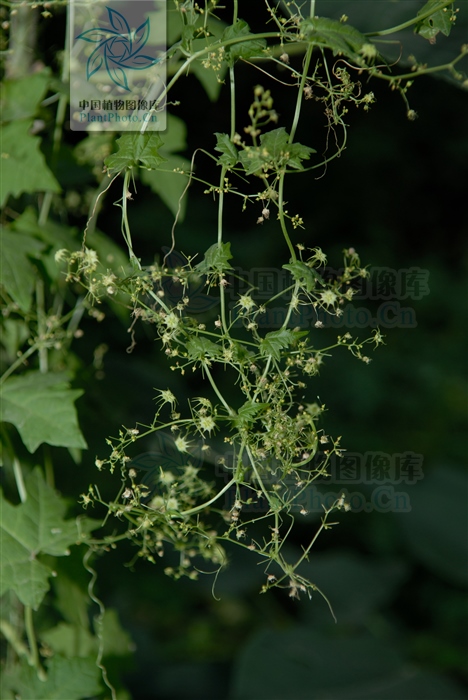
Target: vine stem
199	54
23	34
159	301
31	635
300	93
17	472
232	85
297	114
220	241
125	225
197	509
324	526
19	362
23	494
96	206
410	22
281	215
99	620
290	307
59	121
258	477
41	326
216	390
265	373
423	71
12	638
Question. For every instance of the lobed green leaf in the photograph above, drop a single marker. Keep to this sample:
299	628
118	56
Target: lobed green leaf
246	49
20	97
32	528
200	348
216	259
274	152
136	150
341	38
248	412
24	167
18	274
70	679
305	275
435	23
275	341
41	407
225	146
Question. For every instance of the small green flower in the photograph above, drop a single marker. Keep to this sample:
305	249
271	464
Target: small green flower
182	444
61	255
246	302
172	504
369	51
90	260
206	423
168	397
328	297
171	321
166	478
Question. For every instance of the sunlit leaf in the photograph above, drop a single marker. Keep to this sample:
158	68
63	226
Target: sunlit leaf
275	341
225	146
70	679
41	407
23	166
305	275
136	149
216	259
248	412
245	49
18	275
252	160
70	640
200	348
32	528
340	37
274	151
20	97
435	23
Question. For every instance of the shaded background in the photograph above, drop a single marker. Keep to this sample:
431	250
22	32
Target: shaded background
397	581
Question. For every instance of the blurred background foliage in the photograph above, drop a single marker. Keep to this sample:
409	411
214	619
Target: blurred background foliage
396	581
